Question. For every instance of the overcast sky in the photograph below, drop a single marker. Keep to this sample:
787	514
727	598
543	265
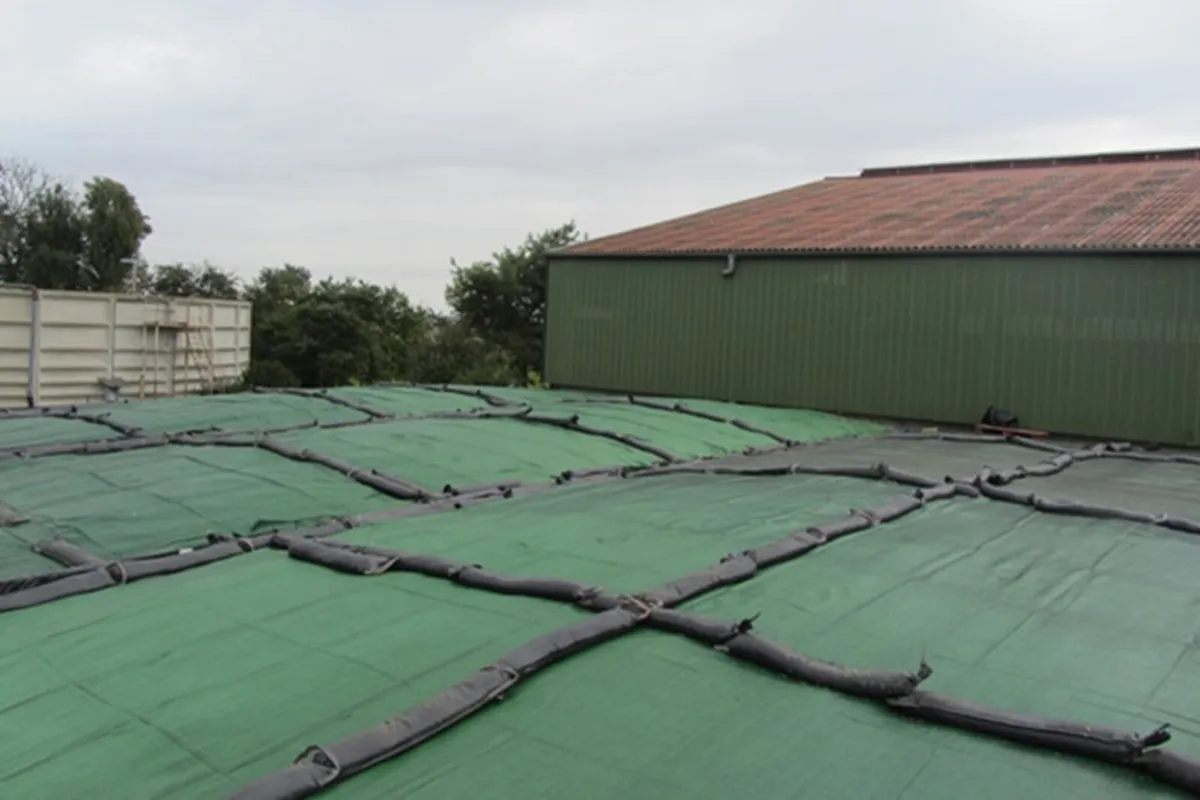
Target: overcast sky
380	138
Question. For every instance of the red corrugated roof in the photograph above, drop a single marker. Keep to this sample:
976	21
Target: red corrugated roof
1121	201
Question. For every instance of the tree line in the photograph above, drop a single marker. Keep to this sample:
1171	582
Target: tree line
305	331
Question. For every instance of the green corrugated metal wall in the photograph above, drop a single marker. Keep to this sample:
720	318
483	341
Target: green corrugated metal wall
1105	346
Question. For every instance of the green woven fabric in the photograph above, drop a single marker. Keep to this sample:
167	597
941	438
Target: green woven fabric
797	425
190	686
405	401
1057	616
195	684
528	396
627	535
663	427
20	432
1154	488
228	411
654	716
16	558
1047	615
679	434
932	459
143	501
436	452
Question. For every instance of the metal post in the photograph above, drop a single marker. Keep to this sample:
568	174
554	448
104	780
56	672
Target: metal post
35	348
112	336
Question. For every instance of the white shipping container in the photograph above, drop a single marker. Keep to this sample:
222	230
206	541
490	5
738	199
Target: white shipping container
66	347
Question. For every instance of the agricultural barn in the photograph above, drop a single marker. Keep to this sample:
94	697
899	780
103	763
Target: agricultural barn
1065	290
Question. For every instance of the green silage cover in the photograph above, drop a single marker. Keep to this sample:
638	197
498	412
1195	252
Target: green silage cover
796	424
464	452
932	459
627	535
16	558
533	396
1045	615
25	431
188	687
238	412
676	433
195	684
404	401
146	501
655	716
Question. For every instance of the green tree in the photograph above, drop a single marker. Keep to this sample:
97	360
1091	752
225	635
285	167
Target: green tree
53	232
448	352
330	333
54	239
187	280
115	228
21	183
277	287
389	323
332	345
275	334
503	301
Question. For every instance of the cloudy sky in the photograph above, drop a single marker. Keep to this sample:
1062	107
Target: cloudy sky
380	138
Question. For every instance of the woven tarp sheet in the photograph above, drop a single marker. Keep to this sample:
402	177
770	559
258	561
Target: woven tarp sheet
403	401
1054	616
798	425
189	686
530	396
933	459
671	722
436	452
626	535
676	433
231	412
15	433
16	557
1154	488
144	501
213	681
